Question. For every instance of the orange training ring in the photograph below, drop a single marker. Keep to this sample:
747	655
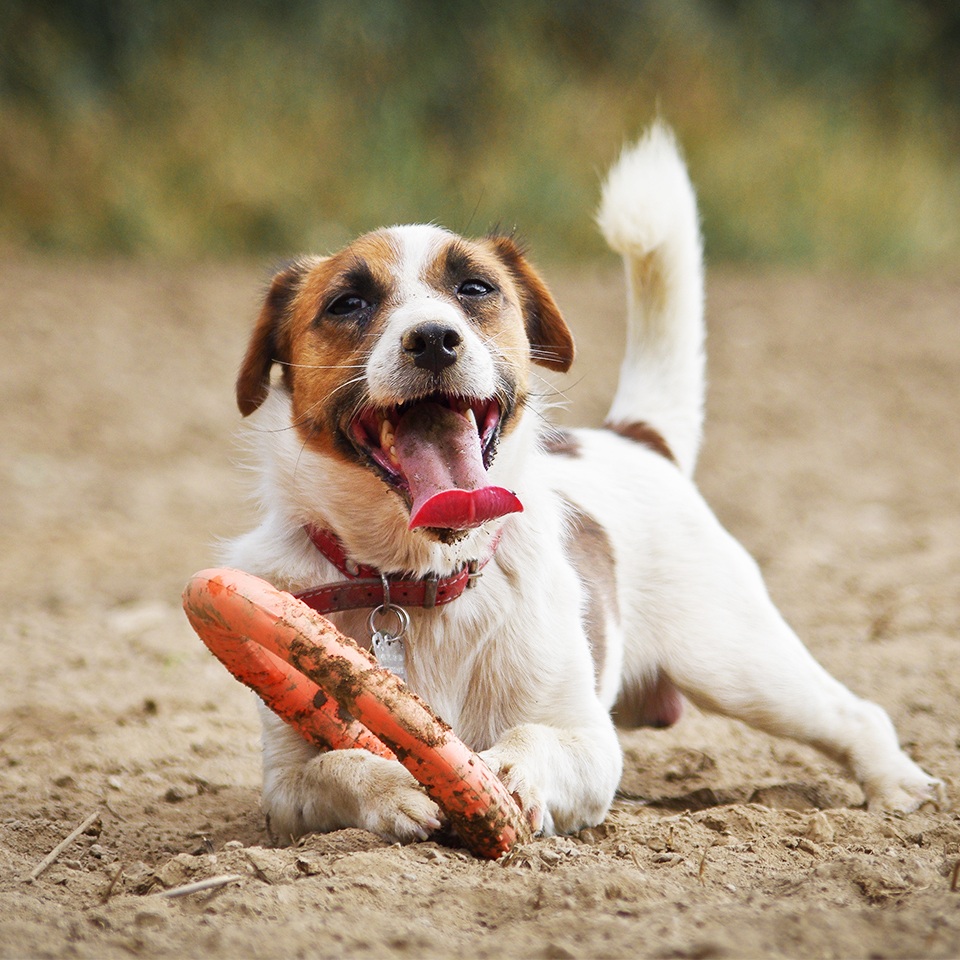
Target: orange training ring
309	673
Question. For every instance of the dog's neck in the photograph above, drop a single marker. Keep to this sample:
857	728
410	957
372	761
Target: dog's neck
366	586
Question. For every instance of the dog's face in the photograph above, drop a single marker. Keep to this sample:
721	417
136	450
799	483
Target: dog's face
407	355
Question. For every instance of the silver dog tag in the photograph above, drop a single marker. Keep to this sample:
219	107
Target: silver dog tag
388	647
390	654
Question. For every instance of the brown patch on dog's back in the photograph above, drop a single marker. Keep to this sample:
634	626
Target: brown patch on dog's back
644	434
589	550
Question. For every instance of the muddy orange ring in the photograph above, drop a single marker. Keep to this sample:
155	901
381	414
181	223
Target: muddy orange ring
336	695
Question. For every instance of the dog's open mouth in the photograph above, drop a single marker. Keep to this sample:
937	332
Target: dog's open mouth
436	451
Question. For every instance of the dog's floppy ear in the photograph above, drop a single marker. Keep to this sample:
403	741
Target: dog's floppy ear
551	343
269	343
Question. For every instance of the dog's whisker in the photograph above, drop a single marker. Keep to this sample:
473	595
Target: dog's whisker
552	391
306	418
346	383
541	353
303	449
322	366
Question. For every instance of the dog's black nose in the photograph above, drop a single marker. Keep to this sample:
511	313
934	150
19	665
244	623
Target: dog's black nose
432	346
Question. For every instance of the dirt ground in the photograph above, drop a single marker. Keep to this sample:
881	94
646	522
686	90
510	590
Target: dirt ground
833	452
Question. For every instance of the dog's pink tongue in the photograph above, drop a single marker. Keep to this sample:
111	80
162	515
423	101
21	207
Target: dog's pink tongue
440	455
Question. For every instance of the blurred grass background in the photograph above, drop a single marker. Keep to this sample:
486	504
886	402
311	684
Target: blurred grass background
817	132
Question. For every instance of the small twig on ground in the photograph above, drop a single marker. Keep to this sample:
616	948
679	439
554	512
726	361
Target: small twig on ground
108	893
110	810
702	872
955	878
213	883
60	847
256	869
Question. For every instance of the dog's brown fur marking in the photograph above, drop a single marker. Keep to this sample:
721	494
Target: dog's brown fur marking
591	553
644	434
459	262
269	345
462	260
550	339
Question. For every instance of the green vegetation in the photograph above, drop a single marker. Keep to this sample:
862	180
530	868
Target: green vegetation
817	132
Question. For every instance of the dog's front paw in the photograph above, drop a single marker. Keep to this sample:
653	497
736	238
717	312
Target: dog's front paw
393	805
348	788
514	777
904	791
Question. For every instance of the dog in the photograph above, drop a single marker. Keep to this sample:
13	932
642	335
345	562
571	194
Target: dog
547	584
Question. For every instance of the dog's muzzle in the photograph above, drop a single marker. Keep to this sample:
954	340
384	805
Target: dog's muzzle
435	451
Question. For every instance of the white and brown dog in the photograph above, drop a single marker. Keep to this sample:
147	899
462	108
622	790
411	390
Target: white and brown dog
403	438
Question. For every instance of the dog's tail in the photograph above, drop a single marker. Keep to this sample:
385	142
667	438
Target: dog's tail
648	214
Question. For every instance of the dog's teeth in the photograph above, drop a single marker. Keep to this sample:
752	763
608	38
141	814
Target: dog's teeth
386	435
394	459
471	416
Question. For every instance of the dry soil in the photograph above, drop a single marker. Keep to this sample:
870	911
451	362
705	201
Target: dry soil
832	451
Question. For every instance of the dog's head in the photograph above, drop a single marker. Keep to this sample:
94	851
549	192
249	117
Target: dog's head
406	356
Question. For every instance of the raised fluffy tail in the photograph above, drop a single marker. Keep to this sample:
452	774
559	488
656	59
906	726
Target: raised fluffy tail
648	214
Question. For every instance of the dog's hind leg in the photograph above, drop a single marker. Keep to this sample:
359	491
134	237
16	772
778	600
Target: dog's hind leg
648	214
727	648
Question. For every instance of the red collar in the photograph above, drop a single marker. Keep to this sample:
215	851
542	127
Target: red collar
363	587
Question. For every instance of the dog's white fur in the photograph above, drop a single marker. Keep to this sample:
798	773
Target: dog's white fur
508	665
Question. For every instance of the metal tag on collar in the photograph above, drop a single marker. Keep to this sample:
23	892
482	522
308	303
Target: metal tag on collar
388	646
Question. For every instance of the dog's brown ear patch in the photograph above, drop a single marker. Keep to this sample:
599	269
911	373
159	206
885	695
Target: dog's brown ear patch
268	344
551	343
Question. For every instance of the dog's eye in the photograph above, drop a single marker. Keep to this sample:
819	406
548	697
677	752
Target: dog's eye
474	288
347	304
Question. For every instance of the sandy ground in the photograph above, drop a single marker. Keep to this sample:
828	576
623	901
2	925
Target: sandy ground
832	452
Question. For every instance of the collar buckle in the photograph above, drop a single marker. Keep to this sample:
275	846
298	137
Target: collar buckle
431	583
